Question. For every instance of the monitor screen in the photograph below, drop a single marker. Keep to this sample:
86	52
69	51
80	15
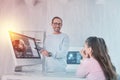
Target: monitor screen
24	46
73	57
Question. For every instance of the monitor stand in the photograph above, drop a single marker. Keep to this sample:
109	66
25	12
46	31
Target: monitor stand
28	68
18	69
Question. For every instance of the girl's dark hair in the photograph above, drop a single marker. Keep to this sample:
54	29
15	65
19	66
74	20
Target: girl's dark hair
100	53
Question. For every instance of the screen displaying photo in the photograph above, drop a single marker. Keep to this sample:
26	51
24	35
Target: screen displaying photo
24	46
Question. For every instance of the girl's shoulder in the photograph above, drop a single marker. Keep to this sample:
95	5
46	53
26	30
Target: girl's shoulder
89	61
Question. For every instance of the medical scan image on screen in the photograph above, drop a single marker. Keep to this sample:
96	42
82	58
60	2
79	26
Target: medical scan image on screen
73	57
24	46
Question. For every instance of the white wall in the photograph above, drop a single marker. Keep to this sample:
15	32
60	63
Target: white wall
84	18
23	14
18	15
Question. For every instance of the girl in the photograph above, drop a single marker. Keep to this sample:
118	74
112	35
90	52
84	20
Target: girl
96	63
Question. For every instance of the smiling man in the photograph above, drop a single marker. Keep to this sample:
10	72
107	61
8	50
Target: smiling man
55	48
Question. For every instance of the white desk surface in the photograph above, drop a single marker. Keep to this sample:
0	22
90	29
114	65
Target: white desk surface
38	76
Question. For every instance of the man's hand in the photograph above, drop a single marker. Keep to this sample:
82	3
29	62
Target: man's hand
45	53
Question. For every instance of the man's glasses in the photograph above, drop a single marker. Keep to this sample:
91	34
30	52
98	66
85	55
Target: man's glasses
59	24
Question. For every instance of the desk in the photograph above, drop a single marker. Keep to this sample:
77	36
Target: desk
38	76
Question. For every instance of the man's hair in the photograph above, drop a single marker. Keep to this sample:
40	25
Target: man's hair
56	17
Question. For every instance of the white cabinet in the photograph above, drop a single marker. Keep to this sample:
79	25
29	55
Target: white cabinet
37	77
35	73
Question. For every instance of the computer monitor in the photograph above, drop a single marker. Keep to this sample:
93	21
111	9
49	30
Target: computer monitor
24	50
73	59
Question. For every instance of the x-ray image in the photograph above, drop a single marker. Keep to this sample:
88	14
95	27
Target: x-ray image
24	46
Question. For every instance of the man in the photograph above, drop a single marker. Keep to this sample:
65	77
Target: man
56	46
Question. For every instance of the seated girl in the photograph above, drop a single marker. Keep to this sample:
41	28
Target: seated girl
96	63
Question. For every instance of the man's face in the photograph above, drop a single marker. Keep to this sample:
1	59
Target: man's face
57	24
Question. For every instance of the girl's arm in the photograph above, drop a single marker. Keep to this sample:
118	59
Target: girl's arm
82	70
